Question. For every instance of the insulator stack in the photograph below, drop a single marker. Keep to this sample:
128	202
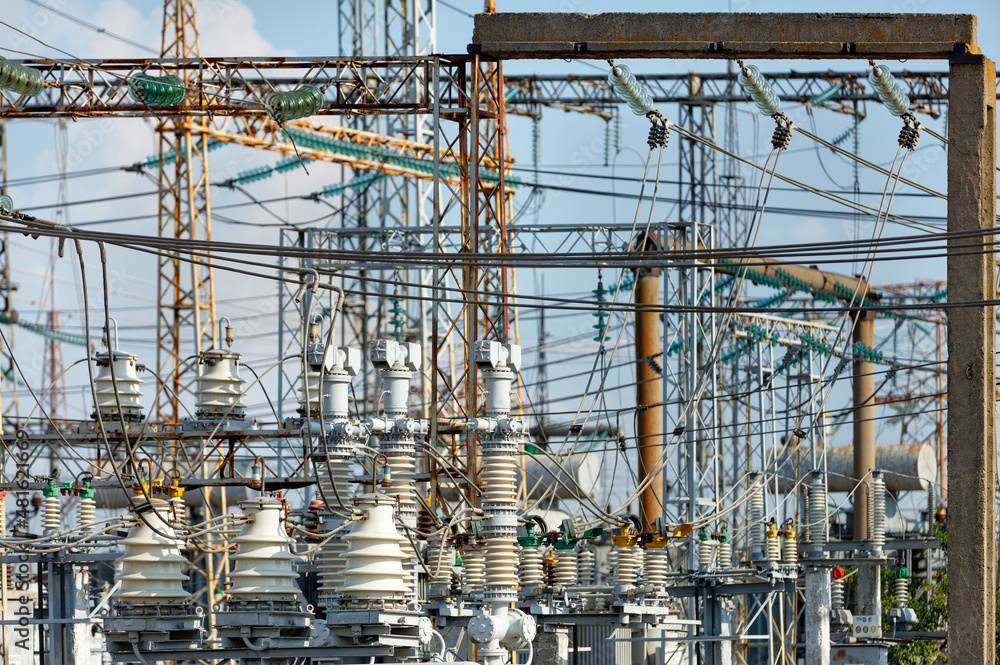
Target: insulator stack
759	90
566	571
612	563
473	571
773	544
790	547
888	90
501	561
705	551
441	565
817	509
724	560
290	105
156	90
931	509
654	563
876	533
902	589
629	90
151	564
87	512
51	515
756	515
126	377
220	388
20	79
531	570
627	566
585	566
837	594
335	472
373	572
263	560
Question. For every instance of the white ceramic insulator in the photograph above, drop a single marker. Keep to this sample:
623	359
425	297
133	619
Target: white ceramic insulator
756	518
263	560
817	510
902	591
627	566
310	395
87	513
877	510
152	565
705	551
498	500
220	388
585	566
374	558
334	472
127	378
789	550
725	556
473	571
837	594
654	562
565	568
401	488
931	509
773	551
441	575
531	569
51	515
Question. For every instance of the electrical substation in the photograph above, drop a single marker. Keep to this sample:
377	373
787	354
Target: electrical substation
688	399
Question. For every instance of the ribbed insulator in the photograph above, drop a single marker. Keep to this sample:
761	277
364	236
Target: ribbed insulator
473	571
902	591
789	550
330	558
566	573
629	90
374	559
817	510
612	564
705	554
876	533
19	79
627	566
128	381
759	90
51	515
220	388
263	559
440	564
288	105
888	90
837	594
931	509
585	567
401	489
654	562
725	557
773	551
151	564
178	514
498	500
309	400
756	519
531	571
87	512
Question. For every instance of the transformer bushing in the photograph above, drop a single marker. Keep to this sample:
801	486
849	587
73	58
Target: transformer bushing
151	612
265	608
126	405
373	613
498	628
398	434
338	365
220	387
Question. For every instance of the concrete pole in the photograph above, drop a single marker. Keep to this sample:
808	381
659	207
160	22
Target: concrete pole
971	360
817	615
863	385
649	417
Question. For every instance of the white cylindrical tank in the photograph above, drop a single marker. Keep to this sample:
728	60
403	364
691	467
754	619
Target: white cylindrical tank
263	557
126	376
908	467
151	565
580	475
220	388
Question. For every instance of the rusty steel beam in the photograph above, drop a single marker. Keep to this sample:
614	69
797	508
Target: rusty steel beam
512	36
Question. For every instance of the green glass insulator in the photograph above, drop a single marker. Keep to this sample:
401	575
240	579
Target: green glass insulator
156	90
299	103
20	79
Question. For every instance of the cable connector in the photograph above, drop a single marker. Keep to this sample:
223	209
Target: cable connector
659	134
782	132
909	134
